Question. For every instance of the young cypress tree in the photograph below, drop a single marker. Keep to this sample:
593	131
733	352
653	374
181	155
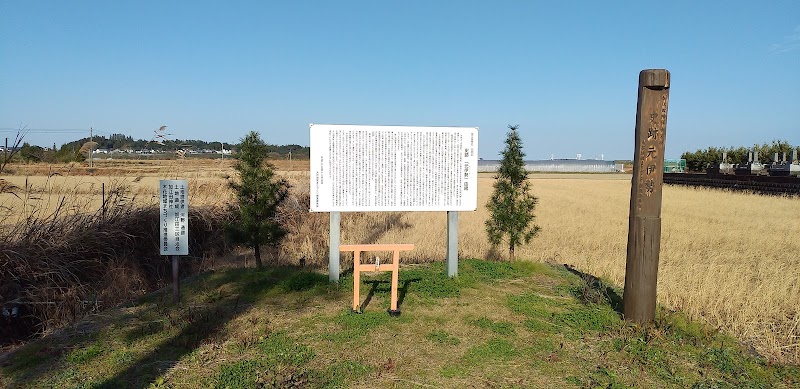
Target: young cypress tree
511	205
259	194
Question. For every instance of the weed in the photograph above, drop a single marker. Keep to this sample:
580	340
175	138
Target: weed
537	325
533	305
362	322
241	374
605	378
453	371
494	349
304	281
432	283
442	337
84	354
589	318
28	357
499	327
281	349
339	373
281	364
679	328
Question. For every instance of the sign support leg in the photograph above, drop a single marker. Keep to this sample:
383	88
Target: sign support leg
333	245
176	291
452	243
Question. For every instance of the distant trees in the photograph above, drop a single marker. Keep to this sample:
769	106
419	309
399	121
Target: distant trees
30	153
78	150
259	194
125	142
699	160
512	203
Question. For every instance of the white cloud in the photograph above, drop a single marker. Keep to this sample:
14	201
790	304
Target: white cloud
790	43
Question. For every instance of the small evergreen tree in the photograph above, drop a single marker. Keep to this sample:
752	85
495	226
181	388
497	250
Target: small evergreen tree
259	194
511	205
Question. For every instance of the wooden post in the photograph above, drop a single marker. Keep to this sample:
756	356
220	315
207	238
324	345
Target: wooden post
104	200
356	280
176	291
644	228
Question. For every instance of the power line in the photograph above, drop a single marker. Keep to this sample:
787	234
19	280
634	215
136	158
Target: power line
51	131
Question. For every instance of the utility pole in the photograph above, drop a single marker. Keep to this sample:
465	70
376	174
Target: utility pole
91	147
222	151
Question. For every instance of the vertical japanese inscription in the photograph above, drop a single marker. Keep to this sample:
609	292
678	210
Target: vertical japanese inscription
393	168
650	138
174	221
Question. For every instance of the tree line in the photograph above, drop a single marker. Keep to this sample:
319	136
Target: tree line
699	160
77	150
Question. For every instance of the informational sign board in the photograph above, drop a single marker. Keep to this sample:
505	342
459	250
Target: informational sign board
393	168
174	226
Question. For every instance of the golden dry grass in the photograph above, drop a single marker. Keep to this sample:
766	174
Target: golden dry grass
729	259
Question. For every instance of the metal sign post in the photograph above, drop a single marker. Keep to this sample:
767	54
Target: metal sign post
174	225
644	228
452	243
333	246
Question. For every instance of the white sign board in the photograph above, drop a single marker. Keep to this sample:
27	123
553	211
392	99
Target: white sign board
174	226
393	168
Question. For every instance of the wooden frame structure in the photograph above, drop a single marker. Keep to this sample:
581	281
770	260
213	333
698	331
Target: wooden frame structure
358	267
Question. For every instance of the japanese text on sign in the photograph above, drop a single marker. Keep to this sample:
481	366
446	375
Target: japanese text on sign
651	163
393	168
174	223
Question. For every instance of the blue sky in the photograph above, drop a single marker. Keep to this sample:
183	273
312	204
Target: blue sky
566	72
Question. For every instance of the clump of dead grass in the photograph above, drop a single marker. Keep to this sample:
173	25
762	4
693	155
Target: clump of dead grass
61	263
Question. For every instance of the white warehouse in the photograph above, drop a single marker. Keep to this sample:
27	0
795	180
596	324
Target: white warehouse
557	165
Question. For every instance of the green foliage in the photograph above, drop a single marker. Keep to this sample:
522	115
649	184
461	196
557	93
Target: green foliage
566	316
281	363
241	374
259	194
699	160
494	351
305	281
85	354
511	205
533	305
281	349
30	153
362	322
442	337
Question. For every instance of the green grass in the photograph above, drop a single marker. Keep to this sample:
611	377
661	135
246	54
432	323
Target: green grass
442	337
498	324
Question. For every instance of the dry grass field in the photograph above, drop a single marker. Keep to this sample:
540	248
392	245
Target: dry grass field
729	259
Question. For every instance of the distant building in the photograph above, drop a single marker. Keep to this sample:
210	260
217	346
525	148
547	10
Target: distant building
556	165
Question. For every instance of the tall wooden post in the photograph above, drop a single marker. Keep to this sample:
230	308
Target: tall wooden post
644	228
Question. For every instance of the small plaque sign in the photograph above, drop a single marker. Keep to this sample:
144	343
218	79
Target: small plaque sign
174	225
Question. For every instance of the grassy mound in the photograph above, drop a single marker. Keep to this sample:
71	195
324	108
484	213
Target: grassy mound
498	324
